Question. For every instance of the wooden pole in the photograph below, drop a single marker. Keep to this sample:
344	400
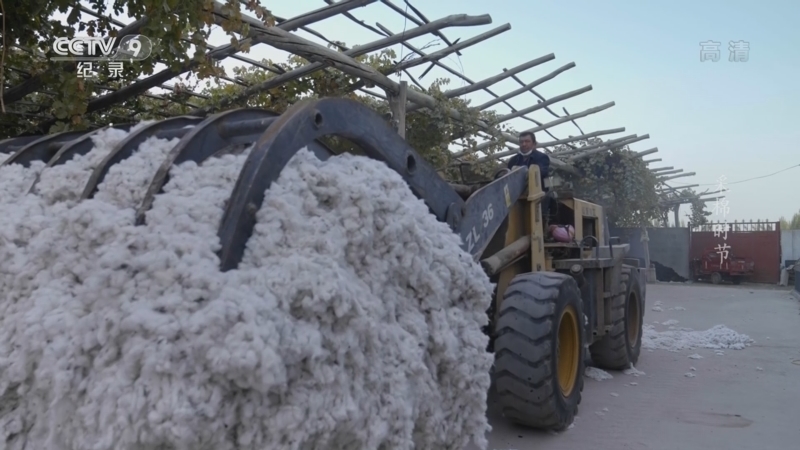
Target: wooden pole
411	18
515	138
677	188
573	122
647	152
648	161
544	104
611	142
497	78
397	103
607	147
540	97
712	198
646	246
526	87
540	145
452	49
669	204
680	175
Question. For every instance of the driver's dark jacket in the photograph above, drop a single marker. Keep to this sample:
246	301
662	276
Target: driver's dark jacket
534	157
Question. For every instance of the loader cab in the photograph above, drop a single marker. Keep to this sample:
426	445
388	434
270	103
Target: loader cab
585	219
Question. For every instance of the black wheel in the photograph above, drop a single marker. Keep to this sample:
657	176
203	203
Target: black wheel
621	346
716	278
736	280
538	369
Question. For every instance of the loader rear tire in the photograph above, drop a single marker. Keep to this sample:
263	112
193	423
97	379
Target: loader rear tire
538	371
621	346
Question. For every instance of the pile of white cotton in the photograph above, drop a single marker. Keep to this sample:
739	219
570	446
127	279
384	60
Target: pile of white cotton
353	322
65	182
717	337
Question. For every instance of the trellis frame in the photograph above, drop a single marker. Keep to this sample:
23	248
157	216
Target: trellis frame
281	36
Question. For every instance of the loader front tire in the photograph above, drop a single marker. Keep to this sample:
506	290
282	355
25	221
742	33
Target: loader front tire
621	346
538	370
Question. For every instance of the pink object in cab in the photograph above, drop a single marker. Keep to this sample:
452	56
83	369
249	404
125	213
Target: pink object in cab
562	233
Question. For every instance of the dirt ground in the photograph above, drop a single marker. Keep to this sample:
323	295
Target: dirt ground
745	399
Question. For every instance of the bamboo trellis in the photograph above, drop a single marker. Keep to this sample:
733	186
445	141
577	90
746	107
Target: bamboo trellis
283	36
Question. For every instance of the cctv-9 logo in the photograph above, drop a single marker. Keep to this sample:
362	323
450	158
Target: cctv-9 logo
134	47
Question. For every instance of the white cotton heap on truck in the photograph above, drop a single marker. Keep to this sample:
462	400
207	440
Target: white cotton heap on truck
353	321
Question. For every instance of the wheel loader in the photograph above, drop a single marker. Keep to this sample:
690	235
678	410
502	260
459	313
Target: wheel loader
556	301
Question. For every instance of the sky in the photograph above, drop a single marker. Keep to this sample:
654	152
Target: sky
736	120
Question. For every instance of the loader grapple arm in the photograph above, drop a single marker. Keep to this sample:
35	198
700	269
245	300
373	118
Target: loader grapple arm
487	208
475	220
43	149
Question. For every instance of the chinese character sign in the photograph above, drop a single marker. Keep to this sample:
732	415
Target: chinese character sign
721	229
721	207
721	186
115	69
723	252
738	51
709	51
86	70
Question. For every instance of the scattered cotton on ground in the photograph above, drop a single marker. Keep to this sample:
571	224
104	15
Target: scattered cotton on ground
669	322
598	374
657	306
718	337
354	320
633	371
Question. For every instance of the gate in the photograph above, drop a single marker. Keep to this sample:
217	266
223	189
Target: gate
668	248
760	241
790	246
